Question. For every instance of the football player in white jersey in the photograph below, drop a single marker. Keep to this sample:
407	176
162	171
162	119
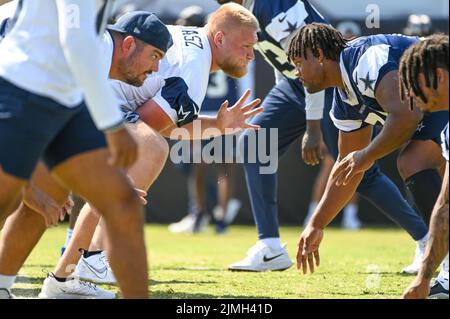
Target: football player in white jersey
428	89
226	43
66	138
6	14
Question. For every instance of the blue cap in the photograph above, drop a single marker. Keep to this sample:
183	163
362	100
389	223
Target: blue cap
146	27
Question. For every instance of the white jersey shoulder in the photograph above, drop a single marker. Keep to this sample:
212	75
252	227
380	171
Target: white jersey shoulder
277	27
367	71
7	10
52	50
188	60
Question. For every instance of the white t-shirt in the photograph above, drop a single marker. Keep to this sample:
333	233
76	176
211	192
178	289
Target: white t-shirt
179	87
52	49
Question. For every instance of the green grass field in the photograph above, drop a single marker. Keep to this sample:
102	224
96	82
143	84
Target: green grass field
363	264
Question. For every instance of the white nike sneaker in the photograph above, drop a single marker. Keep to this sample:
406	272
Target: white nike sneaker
95	268
72	289
261	258
418	257
439	289
186	225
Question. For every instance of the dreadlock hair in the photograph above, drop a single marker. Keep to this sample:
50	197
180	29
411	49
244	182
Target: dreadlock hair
315	36
423	57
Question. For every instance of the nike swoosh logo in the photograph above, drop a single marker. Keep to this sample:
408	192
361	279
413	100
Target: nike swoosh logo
282	19
266	259
100	273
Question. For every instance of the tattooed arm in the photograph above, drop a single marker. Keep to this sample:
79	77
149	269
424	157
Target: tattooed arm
437	247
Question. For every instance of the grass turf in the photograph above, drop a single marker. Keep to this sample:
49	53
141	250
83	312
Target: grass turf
362	264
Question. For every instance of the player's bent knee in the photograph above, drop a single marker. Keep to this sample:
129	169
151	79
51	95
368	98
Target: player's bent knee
417	156
161	149
124	212
152	146
126	220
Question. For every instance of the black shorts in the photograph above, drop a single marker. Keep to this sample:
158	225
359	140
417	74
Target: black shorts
34	127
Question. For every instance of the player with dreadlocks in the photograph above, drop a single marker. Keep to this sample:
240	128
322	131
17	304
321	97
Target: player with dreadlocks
294	113
364	73
424	81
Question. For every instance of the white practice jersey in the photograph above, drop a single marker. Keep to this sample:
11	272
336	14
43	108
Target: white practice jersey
179	87
6	13
52	49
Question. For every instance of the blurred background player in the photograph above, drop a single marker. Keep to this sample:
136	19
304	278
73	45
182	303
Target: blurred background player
203	187
418	24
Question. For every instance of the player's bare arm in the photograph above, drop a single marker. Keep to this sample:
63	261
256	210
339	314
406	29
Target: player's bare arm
400	124
437	246
334	199
231	118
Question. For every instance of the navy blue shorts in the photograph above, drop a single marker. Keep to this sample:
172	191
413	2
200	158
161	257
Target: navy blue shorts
34	127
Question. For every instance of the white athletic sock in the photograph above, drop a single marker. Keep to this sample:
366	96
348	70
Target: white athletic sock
7	281
350	211
68	237
273	243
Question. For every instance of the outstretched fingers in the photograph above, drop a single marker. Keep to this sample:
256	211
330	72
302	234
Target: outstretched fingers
250	105
243	98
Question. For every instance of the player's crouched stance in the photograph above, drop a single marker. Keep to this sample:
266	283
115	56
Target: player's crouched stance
161	107
364	73
43	116
424	80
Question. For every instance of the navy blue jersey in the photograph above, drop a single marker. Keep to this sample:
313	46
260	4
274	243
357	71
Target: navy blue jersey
278	21
444	142
220	88
363	64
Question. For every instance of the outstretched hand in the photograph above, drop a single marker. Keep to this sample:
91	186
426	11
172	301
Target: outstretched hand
308	249
234	118
351	165
418	289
